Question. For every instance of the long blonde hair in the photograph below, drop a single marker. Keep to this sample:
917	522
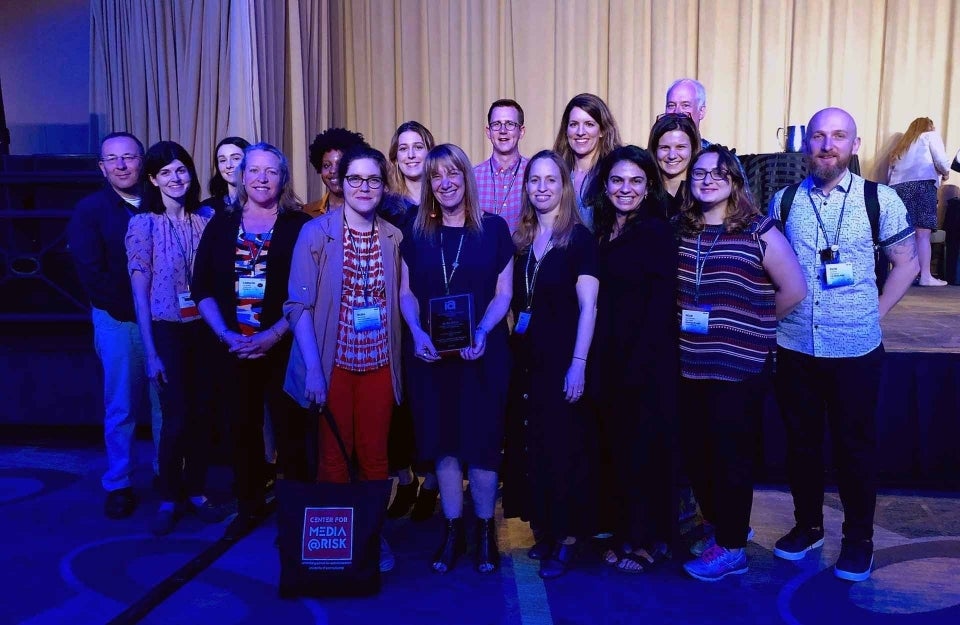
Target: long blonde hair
568	215
917	127
430	215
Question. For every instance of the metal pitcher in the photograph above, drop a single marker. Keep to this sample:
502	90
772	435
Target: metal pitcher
792	140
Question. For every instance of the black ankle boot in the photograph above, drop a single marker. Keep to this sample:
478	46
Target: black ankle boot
406	496
453	546
488	554
426	504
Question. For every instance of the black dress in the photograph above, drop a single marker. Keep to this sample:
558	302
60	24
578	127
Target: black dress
549	475
635	369
458	405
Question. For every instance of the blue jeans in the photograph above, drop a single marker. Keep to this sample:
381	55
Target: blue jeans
126	393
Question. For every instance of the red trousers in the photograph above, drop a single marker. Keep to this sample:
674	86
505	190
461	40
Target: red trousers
361	404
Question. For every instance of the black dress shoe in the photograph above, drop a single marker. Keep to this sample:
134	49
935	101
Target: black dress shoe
120	503
541	549
426	504
559	561
453	546
404	500
488	553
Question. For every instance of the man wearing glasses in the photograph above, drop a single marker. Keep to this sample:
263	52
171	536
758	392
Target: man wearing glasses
500	177
96	236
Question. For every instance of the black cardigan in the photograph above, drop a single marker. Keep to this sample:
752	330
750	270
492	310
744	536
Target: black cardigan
214	273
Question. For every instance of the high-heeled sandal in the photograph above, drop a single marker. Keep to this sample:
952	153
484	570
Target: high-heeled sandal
488	553
453	546
403	501
426	504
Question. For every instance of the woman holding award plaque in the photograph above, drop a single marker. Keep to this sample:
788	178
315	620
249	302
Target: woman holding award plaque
551	445
455	289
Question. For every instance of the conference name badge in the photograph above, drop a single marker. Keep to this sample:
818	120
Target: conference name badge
251	288
523	322
366	318
837	274
695	321
188	309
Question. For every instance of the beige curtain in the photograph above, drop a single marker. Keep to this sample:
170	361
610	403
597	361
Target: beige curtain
765	63
195	71
283	70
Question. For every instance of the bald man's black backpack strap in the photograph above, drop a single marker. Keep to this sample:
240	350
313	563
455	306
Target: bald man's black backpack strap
871	196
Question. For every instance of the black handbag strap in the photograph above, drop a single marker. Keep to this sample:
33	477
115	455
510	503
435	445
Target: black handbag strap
351	465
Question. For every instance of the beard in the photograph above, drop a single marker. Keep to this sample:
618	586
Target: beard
826	173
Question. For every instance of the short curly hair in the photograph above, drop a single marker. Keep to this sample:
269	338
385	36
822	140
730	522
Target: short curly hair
333	139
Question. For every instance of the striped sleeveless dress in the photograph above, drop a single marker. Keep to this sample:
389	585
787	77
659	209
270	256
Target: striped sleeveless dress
742	329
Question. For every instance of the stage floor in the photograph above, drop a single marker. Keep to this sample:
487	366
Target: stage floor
66	563
926	320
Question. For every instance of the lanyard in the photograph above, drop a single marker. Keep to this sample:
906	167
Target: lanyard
497	206
187	256
698	274
823	228
531	282
364	268
443	263
262	244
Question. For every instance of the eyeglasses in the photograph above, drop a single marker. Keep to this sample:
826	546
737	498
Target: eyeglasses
114	160
509	125
374	182
717	174
675	115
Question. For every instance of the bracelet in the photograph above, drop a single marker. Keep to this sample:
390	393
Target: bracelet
222	333
480	328
276	333
579	358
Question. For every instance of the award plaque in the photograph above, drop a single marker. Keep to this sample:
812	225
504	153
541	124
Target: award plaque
451	322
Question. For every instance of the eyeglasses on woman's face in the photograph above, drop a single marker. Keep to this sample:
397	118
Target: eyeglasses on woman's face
374	182
717	173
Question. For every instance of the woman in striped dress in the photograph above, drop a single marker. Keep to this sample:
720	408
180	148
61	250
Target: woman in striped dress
737	277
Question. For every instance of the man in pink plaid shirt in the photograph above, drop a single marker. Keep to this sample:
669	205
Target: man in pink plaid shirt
500	177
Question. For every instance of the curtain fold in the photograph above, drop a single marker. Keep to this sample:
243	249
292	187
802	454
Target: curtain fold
196	70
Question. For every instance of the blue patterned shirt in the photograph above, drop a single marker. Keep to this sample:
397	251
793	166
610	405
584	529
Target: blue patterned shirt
841	322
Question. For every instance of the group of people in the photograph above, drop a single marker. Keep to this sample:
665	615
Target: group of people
550	322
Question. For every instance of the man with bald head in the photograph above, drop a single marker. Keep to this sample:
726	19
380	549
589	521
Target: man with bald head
830	350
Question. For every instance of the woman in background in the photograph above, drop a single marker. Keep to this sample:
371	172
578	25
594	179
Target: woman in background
226	169
635	359
161	248
737	276
674	142
325	153
918	163
408	151
551	440
587	133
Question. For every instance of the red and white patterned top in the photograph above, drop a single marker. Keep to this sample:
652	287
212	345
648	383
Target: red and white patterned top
362	258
